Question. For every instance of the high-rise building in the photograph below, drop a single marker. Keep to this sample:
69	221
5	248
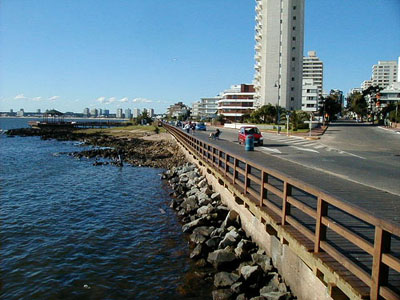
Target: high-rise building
313	68
128	113
94	112
150	112
279	52
136	113
86	112
120	114
106	112
20	113
384	73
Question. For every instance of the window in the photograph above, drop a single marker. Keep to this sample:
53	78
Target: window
294	17
294	7
292	88
292	78
293	58
294	27
294	38
291	98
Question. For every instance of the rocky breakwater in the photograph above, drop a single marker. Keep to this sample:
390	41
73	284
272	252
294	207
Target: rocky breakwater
241	270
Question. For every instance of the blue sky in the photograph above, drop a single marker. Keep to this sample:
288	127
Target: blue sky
74	54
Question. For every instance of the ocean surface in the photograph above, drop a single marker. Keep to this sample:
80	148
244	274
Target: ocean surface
71	230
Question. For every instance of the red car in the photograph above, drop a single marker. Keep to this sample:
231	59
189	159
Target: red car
254	131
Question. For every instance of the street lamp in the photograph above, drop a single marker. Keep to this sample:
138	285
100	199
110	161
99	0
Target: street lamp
278	110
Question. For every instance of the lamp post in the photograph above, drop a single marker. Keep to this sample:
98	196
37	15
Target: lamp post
287	122
278	110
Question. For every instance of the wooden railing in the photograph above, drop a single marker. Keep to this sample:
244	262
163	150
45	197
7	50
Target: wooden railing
354	238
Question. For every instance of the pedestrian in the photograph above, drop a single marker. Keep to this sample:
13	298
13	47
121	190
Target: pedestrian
187	127
193	127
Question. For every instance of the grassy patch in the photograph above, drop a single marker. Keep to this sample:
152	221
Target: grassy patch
132	130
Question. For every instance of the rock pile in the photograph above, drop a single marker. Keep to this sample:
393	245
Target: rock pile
241	269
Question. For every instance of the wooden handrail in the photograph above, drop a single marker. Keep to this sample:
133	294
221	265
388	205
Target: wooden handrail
382	259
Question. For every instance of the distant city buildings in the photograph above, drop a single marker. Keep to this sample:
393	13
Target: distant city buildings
86	112
135	112
279	52
150	112
94	112
236	101
20	113
310	95
206	107
177	110
120	114
366	84
313	68
128	113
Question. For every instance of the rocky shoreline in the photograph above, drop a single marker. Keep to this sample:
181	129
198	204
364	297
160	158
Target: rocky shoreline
134	151
241	269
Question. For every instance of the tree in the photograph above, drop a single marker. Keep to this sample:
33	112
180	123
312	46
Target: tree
331	105
357	104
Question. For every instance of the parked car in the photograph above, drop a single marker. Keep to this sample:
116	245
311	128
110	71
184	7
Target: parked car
201	126
254	131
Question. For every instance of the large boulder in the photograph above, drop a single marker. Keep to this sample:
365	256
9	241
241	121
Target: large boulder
197	238
232	219
263	261
222	258
190	226
276	296
196	251
222	294
205	209
230	239
213	242
204	230
190	204
251	274
244	248
225	279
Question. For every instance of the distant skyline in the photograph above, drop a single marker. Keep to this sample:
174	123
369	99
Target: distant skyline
69	55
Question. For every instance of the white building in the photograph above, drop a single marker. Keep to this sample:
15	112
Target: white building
279	52
313	68
366	84
310	95
128	113
136	113
390	94
206	107
120	114
384	73
94	112
236	101
20	113
150	112
86	112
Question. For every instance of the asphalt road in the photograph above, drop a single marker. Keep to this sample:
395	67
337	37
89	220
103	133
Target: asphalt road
361	153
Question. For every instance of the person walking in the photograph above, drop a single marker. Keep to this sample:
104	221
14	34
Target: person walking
193	126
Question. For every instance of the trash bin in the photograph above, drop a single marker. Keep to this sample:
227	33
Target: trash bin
249	143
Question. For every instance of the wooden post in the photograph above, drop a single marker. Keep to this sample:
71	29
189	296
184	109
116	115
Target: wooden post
262	190
380	272
287	191
234	170
245	178
320	229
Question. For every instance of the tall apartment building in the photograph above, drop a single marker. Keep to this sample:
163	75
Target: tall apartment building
94	112
313	68
136	113
120	114
128	113
236	101
279	52
384	73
